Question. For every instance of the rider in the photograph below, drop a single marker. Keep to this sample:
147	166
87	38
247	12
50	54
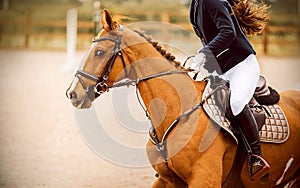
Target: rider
222	27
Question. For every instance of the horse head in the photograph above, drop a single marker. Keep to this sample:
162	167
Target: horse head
103	64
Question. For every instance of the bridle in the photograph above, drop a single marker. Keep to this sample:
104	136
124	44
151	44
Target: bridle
101	86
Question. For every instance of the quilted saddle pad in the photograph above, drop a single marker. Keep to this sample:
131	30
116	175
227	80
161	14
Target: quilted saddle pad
276	127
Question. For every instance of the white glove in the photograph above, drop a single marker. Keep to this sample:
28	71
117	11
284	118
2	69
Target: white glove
197	62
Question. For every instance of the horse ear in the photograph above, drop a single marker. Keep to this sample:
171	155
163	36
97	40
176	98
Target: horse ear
107	21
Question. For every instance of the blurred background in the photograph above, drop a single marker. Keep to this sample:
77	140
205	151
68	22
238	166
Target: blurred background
26	24
42	41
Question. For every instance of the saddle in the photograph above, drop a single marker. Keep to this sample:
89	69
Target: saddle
271	121
272	124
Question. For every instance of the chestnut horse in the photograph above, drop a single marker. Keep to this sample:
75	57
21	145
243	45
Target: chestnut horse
198	154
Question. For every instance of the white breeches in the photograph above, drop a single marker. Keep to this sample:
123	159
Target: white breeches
243	80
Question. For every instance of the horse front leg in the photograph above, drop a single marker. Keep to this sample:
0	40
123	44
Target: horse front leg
167	178
207	172
169	182
159	183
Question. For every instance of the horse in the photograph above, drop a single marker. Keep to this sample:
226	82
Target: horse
195	152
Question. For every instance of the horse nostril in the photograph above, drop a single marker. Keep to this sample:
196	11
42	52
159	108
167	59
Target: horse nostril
72	95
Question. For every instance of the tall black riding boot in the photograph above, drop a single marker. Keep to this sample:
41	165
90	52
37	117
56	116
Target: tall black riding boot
247	122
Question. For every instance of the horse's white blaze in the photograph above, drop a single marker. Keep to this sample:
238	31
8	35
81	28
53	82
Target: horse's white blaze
287	166
80	67
74	84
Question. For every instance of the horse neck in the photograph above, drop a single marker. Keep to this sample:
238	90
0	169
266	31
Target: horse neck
165	97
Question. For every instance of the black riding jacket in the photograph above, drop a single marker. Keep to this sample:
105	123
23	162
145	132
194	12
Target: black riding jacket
220	32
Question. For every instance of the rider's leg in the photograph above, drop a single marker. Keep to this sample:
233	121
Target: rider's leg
248	126
243	81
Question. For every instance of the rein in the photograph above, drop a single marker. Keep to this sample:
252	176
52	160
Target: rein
137	81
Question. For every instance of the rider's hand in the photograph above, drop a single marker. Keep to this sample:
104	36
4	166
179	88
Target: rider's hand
197	62
205	60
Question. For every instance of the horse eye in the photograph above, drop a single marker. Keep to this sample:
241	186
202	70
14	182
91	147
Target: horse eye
99	53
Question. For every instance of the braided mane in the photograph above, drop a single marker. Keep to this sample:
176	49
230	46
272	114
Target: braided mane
158	47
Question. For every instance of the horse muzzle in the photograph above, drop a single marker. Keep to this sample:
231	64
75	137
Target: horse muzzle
80	102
